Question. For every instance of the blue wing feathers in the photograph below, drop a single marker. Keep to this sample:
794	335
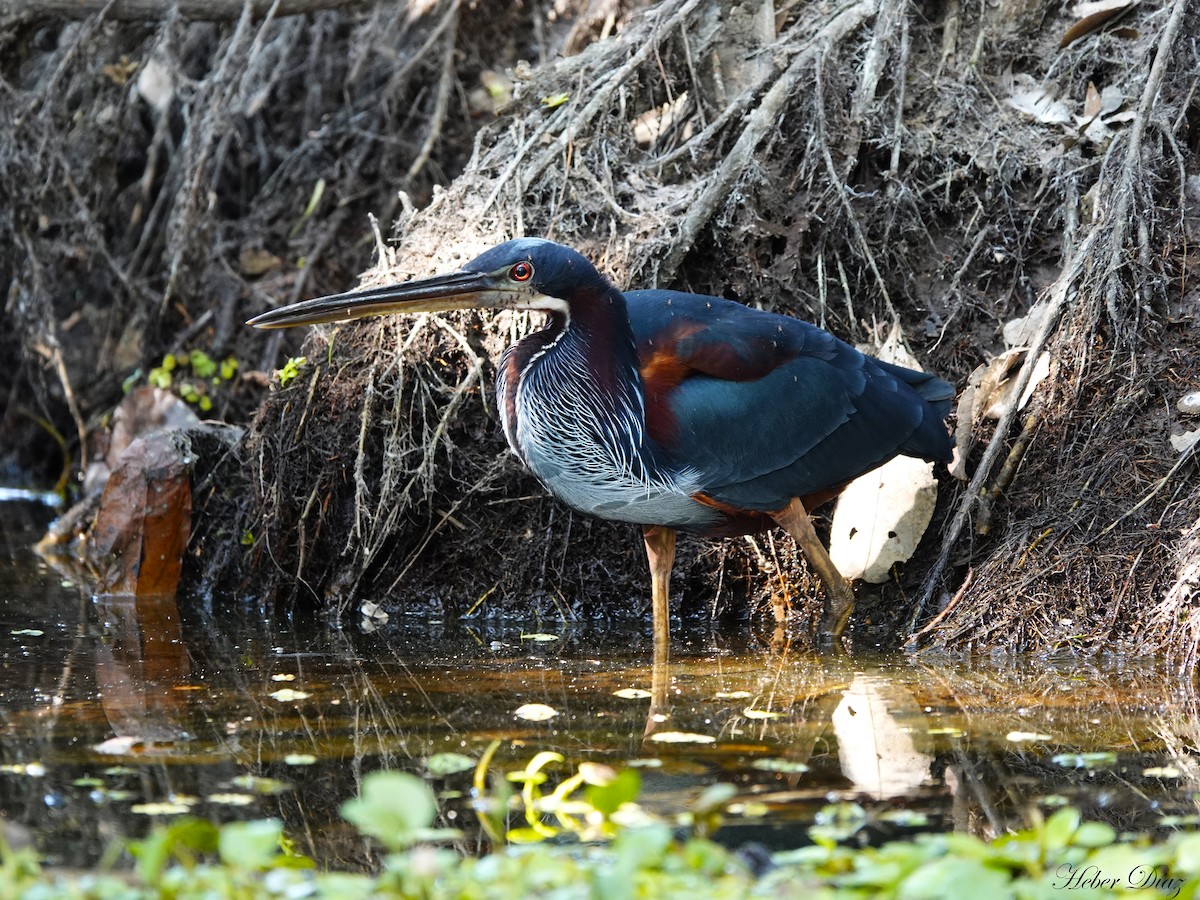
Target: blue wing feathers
771	408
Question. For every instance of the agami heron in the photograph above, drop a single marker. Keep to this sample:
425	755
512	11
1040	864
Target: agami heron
674	410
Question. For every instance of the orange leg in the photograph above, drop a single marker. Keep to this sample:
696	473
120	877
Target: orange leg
839	598
660	550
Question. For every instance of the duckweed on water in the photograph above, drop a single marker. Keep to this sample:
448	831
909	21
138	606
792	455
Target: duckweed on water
192	858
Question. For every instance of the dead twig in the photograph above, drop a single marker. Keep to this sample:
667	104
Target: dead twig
143	10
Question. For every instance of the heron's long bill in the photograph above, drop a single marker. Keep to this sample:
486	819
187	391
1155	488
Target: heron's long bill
460	290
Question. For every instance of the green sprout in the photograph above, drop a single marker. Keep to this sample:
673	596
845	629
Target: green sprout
291	369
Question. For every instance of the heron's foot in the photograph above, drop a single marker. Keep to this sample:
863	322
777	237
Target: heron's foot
839	604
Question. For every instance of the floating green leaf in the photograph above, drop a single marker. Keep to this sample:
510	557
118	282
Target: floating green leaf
784	766
442	764
1098	760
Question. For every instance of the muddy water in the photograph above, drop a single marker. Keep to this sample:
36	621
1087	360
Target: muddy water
115	714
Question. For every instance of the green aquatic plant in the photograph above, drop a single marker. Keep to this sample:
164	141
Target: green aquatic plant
189	859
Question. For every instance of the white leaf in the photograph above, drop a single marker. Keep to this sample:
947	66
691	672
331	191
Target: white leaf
682	737
535	712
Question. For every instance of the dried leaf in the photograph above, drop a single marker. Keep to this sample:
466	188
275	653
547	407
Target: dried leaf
1184	442
881	516
877	749
1092	16
257	261
1037	102
1091	104
682	737
287	695
1024	737
535	712
117	746
751	713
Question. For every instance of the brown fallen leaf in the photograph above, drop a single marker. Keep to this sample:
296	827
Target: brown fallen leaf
1093	16
141	528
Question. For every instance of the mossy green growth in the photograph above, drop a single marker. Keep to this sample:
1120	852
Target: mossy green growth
1061	856
194	376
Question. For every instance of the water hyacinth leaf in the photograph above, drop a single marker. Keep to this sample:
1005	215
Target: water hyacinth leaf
535	712
953	877
1060	827
623	788
155	852
1187	854
396	809
442	764
1094	834
250	845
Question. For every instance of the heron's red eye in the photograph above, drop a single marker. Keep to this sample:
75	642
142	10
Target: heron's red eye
522	271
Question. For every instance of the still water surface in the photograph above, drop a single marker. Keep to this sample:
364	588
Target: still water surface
116	714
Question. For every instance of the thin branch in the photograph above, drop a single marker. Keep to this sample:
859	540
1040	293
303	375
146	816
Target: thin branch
143	10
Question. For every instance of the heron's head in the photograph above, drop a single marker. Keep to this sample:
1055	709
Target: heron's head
525	273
